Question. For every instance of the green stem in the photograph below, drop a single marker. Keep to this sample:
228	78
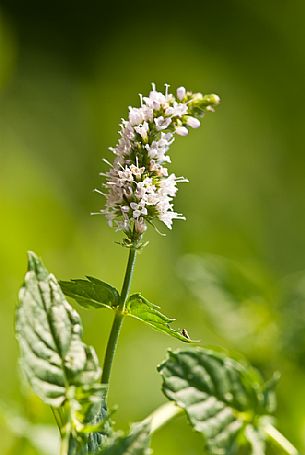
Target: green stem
64	444
57	418
118	319
279	440
162	415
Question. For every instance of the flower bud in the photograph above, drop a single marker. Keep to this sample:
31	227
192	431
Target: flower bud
193	122
182	131
140	226
181	92
211	99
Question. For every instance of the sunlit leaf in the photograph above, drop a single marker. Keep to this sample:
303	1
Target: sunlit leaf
220	396
61	369
49	331
91	293
140	308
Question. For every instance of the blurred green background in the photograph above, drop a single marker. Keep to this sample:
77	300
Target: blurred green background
234	273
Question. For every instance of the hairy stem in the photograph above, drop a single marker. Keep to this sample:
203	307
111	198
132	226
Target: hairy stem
279	440
162	415
118	319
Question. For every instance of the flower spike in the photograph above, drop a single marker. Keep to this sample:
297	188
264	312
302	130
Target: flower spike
139	187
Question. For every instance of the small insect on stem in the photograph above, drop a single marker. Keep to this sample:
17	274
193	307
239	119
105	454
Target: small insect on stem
184	332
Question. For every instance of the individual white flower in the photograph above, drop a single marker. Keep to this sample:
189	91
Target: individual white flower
177	110
125	175
138	209
181	92
137	171
193	122
155	100
162	123
182	131
157	151
148	113
151	198
145	187
135	116
168	186
143	130
158	169
168	217
168	137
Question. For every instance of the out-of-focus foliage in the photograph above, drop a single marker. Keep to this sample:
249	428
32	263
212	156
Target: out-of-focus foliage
68	71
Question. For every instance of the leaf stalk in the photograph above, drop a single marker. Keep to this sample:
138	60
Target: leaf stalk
160	416
279	440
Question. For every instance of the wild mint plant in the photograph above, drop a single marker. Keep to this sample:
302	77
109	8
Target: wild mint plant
224	400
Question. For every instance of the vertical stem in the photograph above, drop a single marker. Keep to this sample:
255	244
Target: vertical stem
118	319
64	444
128	277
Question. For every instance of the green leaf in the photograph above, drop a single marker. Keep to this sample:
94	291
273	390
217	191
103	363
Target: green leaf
62	370
49	331
91	293
140	308
135	443
220	396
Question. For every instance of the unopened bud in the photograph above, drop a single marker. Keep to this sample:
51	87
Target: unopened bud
181	92
140	226
211	99
182	131
193	122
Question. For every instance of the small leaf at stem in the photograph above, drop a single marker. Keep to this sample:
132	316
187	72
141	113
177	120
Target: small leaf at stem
91	293
135	443
140	308
221	397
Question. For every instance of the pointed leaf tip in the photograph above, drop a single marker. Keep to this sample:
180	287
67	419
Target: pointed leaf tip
138	307
49	330
36	265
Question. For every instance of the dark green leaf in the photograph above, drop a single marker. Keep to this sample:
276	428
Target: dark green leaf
220	396
140	308
91	293
135	443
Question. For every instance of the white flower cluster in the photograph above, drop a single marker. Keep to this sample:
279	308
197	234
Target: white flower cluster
139	188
